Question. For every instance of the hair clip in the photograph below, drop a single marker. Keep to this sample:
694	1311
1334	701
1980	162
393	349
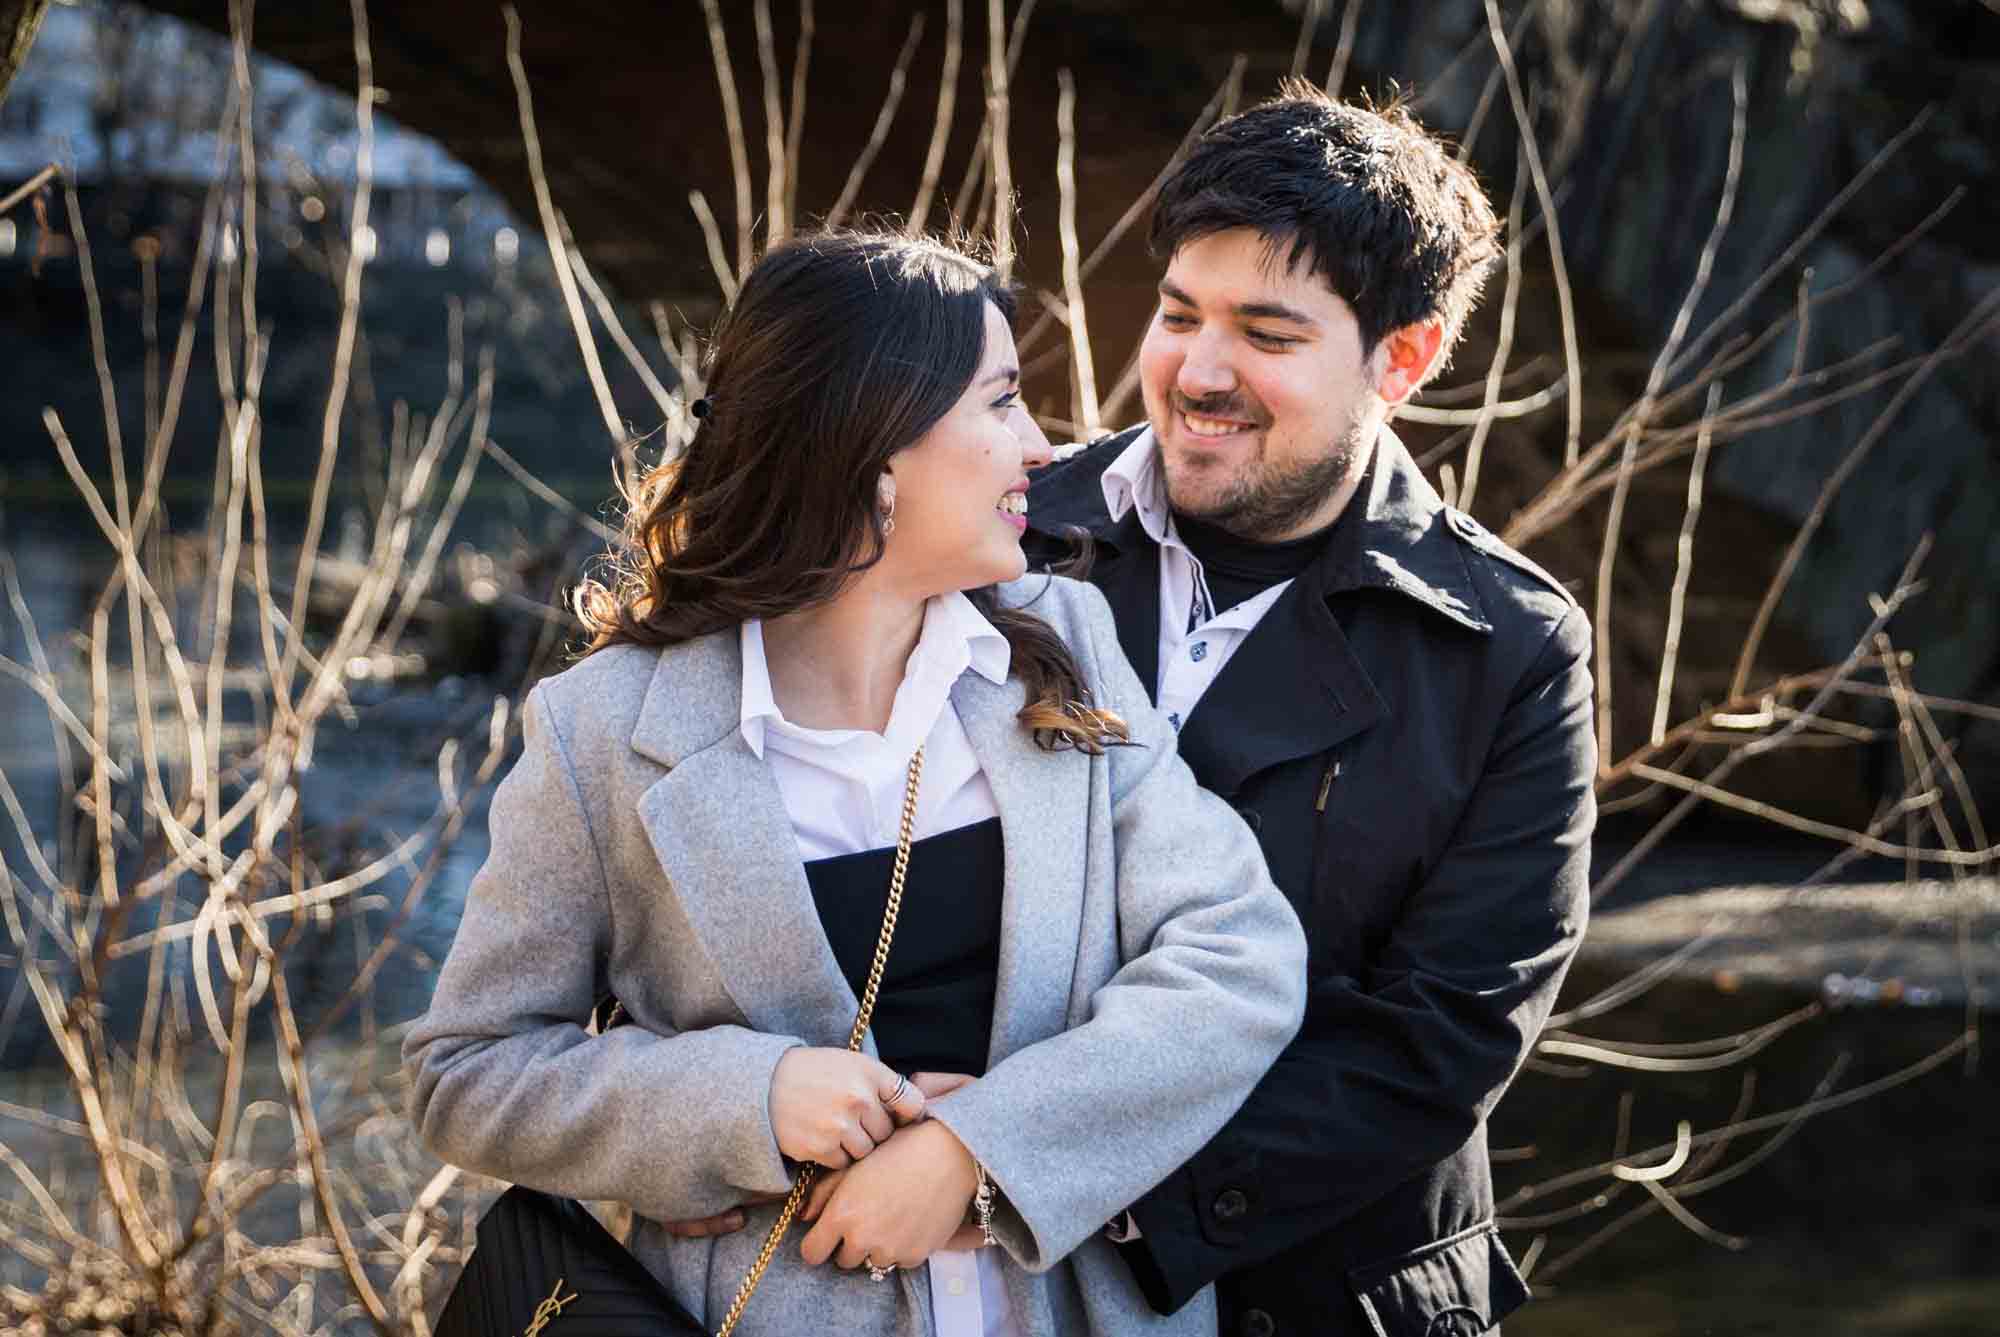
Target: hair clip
701	408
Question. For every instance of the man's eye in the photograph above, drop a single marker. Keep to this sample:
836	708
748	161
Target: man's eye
1174	320
1271	340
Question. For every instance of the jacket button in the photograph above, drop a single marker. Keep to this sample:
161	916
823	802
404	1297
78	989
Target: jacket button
1256	1323
1230	1204
1251	818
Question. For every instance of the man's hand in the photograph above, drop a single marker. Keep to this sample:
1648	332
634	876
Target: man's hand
722	1223
899	1206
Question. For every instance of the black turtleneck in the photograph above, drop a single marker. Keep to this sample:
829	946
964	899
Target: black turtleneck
1238	569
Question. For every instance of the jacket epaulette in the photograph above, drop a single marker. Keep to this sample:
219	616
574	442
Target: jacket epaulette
1484	540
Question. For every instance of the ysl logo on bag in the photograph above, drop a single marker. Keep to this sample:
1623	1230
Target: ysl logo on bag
548	1309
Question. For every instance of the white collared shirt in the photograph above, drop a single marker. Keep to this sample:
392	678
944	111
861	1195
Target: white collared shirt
843	791
1195	641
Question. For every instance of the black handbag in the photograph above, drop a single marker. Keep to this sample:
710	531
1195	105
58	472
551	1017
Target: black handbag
542	1258
543	1264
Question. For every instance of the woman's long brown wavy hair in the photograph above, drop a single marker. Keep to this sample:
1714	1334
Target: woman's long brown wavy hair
840	349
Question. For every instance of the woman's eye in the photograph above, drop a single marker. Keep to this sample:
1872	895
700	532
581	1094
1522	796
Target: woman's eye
1007	401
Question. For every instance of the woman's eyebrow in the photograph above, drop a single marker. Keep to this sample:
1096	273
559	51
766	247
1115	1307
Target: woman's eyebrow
1005	375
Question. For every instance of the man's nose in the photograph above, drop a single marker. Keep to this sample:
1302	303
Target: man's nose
1204	371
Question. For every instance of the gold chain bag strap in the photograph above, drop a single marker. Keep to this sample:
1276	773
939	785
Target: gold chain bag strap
802	1188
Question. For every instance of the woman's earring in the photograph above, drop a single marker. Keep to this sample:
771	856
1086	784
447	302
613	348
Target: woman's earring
885	502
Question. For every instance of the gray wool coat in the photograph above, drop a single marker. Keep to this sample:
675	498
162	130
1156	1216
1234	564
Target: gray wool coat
1150	971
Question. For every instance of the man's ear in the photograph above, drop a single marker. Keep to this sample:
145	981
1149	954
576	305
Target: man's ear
1407	356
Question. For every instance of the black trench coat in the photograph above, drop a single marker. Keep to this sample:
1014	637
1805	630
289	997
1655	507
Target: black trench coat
1409	731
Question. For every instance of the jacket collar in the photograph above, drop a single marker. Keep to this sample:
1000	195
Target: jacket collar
1395	535
717	823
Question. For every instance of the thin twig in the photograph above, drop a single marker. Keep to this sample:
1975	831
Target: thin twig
1572	355
1496	370
899	76
796	129
365	94
954	44
1783	264
30	186
1607	561
552	229
732	120
997	112
1350	22
776	224
718	259
1310	14
1962	338
1083	372
1683	571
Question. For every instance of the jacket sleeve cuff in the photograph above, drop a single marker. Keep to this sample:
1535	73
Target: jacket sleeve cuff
1169	1259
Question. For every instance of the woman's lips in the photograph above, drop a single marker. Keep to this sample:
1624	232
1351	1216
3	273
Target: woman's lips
1013	508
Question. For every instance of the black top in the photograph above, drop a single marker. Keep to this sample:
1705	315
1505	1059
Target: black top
934	1012
1237	569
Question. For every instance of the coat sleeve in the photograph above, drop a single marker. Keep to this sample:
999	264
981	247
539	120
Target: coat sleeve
1396	1069
505	1081
1210	989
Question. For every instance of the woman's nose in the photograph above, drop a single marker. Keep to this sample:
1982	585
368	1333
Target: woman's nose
1035	448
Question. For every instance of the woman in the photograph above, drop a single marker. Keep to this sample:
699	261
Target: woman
703	820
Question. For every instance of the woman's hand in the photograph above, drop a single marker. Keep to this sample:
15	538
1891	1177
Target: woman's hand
898	1207
832	1107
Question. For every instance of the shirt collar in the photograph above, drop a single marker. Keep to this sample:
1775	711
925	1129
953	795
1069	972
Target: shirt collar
956	636
1132	481
1392	535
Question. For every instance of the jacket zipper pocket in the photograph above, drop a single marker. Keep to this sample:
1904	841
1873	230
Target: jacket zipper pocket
1318	895
1326	788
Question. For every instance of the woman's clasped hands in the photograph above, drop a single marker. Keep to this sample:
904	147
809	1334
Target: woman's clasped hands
890	1192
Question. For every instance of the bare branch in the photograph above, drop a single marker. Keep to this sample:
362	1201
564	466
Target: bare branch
777	225
1614	524
365	95
732	120
1350	22
586	343
954	44
879	133
1083	372
1683	571
1962	338
997	114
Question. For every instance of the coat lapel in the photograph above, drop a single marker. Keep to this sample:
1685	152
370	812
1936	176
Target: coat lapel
1042	798
1292	689
717	824
1129	576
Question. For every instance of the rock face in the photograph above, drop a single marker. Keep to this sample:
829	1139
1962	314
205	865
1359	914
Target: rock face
1633	107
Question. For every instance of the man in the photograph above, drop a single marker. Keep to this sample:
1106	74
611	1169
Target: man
1397	703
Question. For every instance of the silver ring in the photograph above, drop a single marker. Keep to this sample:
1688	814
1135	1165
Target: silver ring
902	1089
878	1273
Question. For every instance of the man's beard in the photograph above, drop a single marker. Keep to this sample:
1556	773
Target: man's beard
1262	503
